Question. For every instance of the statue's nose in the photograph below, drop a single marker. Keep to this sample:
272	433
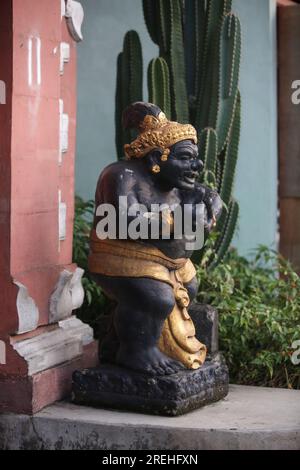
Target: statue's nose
197	165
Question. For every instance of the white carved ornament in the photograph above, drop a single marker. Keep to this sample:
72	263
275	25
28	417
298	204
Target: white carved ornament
28	312
74	14
67	296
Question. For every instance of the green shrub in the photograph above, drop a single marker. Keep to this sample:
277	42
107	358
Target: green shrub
95	303
259	309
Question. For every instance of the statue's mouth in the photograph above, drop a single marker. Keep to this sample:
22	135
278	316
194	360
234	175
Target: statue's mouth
189	178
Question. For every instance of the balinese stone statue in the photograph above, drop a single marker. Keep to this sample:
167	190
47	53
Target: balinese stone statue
150	344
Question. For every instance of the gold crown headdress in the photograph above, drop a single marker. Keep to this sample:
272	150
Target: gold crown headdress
158	132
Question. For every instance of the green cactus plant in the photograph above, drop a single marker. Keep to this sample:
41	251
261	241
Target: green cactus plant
194	79
225	85
129	85
208	148
164	23
159	85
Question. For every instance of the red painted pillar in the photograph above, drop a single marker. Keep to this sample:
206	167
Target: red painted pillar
40	341
288	129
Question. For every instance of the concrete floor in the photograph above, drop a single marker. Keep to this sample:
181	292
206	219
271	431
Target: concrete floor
249	418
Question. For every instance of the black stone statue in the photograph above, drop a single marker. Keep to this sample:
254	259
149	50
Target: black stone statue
150	357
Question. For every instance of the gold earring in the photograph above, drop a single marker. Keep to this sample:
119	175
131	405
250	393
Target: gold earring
155	169
165	155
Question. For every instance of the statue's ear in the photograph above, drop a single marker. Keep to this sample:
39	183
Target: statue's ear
154	158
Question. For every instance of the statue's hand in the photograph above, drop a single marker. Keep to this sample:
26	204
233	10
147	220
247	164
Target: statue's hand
211	200
213	204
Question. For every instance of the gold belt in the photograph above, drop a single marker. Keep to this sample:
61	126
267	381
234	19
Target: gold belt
122	258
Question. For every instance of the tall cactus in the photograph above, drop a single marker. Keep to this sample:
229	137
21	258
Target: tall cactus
129	85
164	21
194	79
159	85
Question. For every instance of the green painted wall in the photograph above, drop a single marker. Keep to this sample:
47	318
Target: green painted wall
256	181
106	22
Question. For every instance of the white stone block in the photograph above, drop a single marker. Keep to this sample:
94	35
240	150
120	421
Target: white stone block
64	130
55	347
65	55
62	218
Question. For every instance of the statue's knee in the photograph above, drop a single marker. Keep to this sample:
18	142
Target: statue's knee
164	301
157	298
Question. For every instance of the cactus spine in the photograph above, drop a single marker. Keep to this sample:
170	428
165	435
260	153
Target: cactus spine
194	79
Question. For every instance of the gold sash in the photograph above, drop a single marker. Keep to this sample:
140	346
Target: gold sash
123	258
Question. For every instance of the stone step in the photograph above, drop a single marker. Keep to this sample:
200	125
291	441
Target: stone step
248	418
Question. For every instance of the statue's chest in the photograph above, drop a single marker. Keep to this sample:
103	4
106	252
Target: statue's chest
147	196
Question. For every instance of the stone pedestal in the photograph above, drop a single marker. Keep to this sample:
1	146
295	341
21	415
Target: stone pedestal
40	342
115	387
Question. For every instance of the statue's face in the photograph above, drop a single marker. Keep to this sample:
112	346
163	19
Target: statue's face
182	167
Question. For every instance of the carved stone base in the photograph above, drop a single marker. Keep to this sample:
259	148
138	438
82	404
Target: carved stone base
115	387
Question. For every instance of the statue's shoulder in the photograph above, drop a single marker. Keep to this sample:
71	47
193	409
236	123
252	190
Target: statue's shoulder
119	170
117	176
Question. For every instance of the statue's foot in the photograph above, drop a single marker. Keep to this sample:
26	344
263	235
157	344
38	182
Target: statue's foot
151	361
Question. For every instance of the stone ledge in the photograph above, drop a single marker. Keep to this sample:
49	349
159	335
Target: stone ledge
30	394
249	418
55	347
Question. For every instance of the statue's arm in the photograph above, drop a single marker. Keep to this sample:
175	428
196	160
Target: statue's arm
202	194
120	188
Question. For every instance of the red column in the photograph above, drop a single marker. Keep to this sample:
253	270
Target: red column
41	342
288	129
